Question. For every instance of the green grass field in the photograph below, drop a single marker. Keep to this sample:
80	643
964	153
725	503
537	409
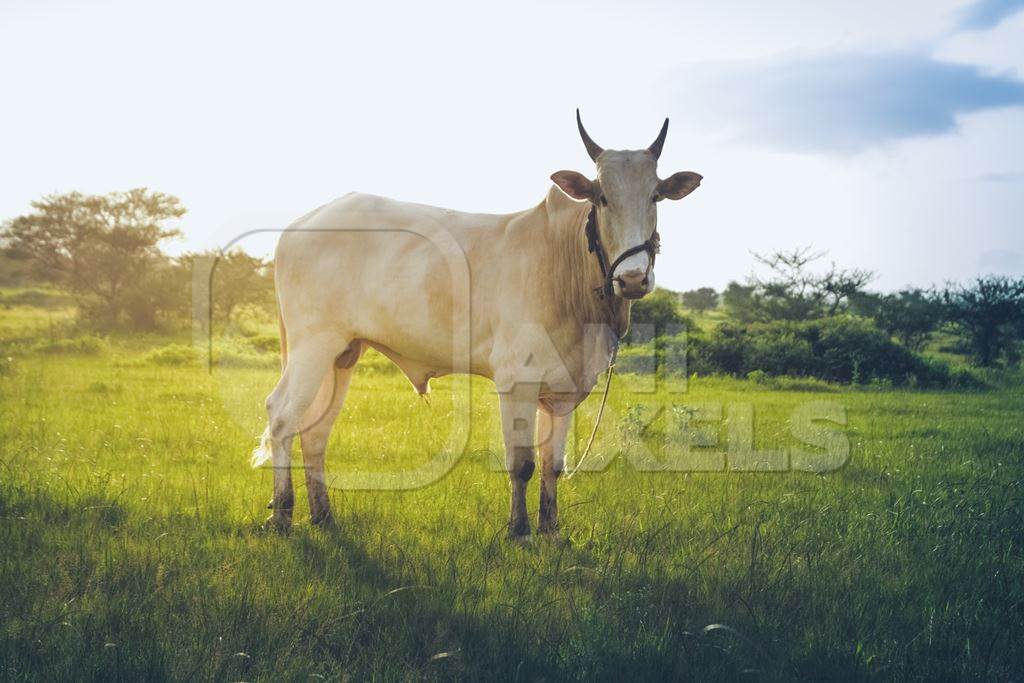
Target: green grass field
132	545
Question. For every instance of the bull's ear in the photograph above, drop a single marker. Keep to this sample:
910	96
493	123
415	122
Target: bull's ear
678	185
574	184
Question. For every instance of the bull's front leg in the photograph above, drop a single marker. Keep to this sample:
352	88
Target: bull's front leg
552	431
518	423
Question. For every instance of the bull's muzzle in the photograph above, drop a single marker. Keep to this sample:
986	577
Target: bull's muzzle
633	284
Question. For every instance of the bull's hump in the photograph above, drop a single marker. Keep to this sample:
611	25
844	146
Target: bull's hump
366	201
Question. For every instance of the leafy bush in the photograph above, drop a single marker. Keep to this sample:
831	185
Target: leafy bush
758	377
655	315
37	298
226	354
264	343
172	354
88	345
235	358
667	355
843	349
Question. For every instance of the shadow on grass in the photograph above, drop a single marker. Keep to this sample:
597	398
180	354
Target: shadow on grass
530	612
95	585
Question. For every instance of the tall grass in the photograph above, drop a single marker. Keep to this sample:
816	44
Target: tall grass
132	543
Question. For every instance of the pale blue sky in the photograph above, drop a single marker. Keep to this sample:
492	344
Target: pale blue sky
891	134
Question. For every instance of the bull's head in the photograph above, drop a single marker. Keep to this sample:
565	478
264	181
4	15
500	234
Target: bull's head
626	193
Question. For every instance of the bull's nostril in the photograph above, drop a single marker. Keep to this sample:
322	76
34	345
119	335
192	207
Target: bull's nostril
646	282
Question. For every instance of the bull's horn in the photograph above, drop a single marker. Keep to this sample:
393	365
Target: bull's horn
656	146
593	149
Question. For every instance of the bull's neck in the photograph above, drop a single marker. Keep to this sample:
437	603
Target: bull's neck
579	270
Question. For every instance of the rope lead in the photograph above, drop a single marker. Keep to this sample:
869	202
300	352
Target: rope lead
600	413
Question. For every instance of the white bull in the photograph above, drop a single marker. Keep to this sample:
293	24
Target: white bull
366	271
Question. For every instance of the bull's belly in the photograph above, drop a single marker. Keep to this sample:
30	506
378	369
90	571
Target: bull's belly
420	365
419	370
420	359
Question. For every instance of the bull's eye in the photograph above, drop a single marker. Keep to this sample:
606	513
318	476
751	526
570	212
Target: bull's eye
604	201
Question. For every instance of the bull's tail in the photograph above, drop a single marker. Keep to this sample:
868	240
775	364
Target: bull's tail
262	453
284	338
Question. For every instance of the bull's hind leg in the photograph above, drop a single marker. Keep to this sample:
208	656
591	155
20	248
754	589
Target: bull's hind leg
314	435
552	431
308	364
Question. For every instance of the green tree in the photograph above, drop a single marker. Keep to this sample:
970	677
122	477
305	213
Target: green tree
160	297
101	248
741	302
911	315
989	313
788	292
865	304
700	300
791	291
237	279
838	286
658	313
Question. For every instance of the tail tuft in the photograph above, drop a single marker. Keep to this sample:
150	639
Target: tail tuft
262	453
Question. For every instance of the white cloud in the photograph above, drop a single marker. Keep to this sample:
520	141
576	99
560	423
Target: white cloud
844	102
985	14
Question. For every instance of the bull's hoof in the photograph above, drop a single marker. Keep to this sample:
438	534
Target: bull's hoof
324	520
549	529
518	529
278	523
